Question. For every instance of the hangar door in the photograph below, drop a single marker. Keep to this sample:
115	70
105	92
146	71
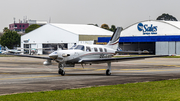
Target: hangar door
166	48
138	46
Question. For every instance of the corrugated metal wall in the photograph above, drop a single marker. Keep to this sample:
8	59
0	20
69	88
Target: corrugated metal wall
178	47
161	48
172	47
166	48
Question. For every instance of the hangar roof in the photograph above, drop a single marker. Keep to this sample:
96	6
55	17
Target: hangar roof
82	29
62	33
174	23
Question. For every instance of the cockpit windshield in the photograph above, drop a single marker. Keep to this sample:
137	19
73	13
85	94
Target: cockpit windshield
80	47
72	47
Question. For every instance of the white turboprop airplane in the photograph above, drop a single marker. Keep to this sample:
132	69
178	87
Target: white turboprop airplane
88	54
12	51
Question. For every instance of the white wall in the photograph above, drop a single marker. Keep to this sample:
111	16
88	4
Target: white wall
163	28
40	51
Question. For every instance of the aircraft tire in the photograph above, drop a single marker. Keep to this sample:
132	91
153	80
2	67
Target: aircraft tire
62	72
108	72
59	72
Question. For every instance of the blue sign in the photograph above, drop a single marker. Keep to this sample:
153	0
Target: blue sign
147	29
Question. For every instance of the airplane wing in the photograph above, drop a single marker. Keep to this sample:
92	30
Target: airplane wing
106	60
31	56
34	48
11	51
131	52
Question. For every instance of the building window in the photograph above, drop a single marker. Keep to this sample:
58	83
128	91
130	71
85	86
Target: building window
23	25
15	25
19	25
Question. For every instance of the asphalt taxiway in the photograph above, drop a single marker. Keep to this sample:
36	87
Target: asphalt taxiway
21	74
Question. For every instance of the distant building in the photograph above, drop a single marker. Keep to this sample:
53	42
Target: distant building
21	26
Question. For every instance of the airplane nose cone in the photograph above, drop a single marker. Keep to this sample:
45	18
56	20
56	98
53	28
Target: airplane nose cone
53	55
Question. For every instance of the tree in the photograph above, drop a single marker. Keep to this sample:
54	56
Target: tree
105	26
31	28
166	17
5	29
10	39
113	28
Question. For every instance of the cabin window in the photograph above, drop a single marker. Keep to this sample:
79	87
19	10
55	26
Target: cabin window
95	49
80	47
101	50
105	50
88	49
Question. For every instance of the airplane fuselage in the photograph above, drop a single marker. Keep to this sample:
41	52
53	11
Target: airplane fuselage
82	52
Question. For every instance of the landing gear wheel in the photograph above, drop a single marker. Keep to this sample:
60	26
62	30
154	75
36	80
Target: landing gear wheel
108	72
62	72
59	72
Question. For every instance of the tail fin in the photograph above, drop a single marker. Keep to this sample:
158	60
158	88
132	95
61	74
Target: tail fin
7	48
113	43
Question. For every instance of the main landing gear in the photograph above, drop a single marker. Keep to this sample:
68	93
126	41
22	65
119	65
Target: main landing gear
62	72
108	71
61	69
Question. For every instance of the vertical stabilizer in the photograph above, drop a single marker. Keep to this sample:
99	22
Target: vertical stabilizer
114	41
6	48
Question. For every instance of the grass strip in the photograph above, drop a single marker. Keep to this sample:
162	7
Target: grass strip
165	90
172	57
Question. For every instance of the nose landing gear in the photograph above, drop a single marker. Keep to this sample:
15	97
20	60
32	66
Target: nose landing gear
61	71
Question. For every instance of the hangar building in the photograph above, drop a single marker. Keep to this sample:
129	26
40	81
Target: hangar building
50	36
157	36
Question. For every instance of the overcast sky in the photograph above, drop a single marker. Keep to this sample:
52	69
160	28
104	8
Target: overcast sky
117	12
